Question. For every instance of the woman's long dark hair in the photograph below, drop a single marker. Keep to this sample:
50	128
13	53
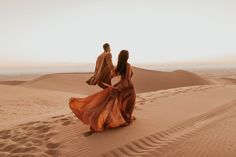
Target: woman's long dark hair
122	62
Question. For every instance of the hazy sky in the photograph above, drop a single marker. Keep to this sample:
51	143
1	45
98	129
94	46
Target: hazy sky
36	32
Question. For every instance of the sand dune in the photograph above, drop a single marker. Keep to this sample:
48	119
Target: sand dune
18	104
12	82
192	137
144	81
148	80
166	120
216	139
194	121
226	80
220	76
18	77
70	82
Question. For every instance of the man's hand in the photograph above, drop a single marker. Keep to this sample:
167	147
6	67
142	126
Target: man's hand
113	73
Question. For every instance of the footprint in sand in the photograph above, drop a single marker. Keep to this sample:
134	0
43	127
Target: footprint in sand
9	147
66	121
3	154
23	149
2	145
18	138
56	117
52	152
137	108
5	134
50	134
35	141
53	145
32	139
44	129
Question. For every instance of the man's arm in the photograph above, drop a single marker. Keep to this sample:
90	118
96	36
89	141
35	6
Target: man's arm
109	62
96	66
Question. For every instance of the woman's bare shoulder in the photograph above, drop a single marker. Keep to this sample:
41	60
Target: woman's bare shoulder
129	65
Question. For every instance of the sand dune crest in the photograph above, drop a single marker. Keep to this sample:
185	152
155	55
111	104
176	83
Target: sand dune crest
144	81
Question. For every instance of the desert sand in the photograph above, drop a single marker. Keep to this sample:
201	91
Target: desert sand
178	113
153	80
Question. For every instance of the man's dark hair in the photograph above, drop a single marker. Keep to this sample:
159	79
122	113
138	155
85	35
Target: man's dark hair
106	46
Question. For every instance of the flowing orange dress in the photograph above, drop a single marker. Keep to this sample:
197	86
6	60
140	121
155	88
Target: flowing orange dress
109	108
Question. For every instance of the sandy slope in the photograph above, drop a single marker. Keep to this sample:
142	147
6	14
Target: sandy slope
71	82
194	121
162	119
20	103
216	139
153	80
220	76
166	120
18	77
148	80
12	82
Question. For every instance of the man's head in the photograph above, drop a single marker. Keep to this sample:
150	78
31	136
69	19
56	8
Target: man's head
106	47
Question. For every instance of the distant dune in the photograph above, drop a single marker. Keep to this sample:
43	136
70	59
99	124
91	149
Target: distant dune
144	81
148	80
18	77
70	82
12	82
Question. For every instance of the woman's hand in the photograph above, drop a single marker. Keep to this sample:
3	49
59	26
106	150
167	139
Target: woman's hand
113	73
109	86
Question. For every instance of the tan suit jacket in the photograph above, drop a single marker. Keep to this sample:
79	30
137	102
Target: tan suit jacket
103	70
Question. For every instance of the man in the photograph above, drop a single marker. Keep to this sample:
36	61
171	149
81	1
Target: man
104	69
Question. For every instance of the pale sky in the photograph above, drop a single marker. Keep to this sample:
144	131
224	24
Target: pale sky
40	32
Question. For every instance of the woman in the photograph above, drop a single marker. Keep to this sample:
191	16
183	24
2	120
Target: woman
111	107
